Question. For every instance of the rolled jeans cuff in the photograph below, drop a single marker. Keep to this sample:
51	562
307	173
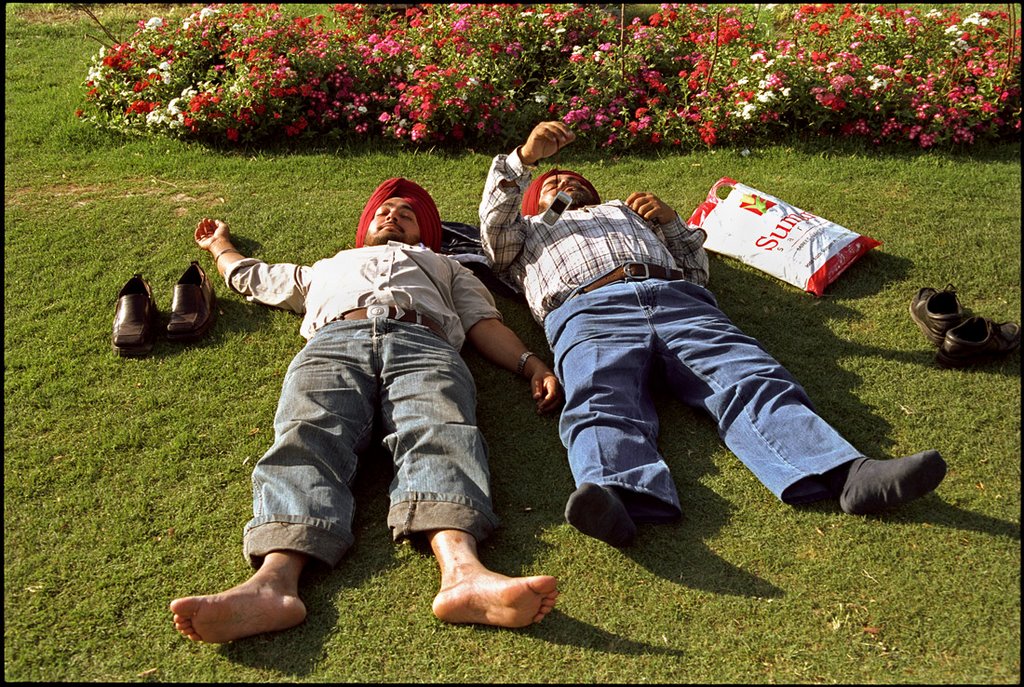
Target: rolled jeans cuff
416	514
302	537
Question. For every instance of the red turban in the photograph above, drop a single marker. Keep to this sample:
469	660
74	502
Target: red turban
532	194
414	194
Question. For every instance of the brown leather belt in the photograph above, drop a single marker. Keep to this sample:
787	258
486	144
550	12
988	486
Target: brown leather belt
632	271
393	313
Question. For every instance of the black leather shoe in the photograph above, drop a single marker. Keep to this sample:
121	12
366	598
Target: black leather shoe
192	306
977	339
936	312
134	319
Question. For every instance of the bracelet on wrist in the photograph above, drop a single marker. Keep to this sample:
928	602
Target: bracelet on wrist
226	250
522	362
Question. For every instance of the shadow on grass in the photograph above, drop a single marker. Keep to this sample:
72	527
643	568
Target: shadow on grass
564	630
586	152
932	510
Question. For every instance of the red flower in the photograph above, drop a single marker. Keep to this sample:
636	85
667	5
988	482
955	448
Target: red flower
707	133
232	134
140	107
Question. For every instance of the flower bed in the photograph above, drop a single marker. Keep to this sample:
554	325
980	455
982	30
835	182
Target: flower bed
691	75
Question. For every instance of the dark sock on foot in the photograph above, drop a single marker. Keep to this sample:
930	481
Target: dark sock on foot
597	512
871	486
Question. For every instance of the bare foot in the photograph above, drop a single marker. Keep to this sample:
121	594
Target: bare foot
489	598
251	608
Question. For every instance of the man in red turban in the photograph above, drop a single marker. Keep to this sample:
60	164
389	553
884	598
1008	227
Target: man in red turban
420	203
547	185
384	323
619	287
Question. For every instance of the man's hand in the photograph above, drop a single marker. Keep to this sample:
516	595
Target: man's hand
650	207
546	390
546	139
209	230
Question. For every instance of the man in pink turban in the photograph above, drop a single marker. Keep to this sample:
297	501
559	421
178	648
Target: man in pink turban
619	288
384	324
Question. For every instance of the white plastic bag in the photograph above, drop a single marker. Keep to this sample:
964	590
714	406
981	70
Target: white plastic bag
759	230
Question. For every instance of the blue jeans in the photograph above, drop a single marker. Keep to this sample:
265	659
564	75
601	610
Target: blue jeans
605	344
348	374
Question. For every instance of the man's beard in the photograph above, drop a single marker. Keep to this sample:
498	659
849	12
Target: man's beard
383	235
581	196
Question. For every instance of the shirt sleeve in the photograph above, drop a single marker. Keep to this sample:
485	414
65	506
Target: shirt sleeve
280	285
686	244
473	301
502	227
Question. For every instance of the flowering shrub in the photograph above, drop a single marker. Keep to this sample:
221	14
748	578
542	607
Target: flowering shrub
690	75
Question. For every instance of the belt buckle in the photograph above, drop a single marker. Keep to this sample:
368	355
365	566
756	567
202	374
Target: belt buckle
627	269
377	311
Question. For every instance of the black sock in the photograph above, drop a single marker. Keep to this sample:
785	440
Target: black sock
597	512
871	486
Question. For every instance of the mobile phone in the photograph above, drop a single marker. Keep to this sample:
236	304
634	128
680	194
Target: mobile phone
559	205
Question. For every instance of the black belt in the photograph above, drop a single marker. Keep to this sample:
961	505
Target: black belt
632	271
393	313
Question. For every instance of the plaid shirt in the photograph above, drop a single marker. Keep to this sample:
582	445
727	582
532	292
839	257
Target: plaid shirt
550	263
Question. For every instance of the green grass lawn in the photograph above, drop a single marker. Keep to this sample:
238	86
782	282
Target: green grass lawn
126	482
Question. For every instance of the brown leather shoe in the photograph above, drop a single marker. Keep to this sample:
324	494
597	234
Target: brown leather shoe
977	339
936	312
134	319
192	306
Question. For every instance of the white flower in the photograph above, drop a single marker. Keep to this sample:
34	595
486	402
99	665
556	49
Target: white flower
742	82
933	14
154	24
207	12
747	111
155	117
876	83
172	107
785	92
976	20
953	29
540	98
765	97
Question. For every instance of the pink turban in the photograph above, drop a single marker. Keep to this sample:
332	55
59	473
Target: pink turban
414	194
532	194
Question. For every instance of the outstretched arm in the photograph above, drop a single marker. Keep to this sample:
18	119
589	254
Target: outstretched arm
501	346
503	231
282	285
